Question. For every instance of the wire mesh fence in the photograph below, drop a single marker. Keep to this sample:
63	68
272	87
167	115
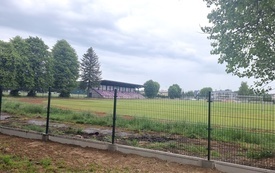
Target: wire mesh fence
177	126
239	130
244	131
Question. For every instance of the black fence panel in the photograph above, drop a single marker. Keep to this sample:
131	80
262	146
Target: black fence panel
172	125
244	131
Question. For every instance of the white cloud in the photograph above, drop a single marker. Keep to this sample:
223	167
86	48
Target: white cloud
135	40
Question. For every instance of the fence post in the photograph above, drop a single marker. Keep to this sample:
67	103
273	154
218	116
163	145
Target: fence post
1	94
114	117
209	127
48	111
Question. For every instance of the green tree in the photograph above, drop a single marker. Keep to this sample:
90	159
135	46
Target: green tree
244	89
205	91
242	33
151	88
174	91
81	85
7	65
189	94
65	65
40	62
24	77
90	70
267	98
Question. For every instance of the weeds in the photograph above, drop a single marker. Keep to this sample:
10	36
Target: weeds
45	162
34	128
260	154
15	164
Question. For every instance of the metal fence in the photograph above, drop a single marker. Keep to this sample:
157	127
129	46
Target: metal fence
244	132
239	130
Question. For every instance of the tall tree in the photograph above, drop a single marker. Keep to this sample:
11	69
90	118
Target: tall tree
65	65
151	88
24	77
242	33
7	65
244	89
90	70
40	62
205	91
174	91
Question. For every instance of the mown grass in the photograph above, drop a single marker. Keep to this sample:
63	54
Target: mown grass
262	139
229	114
188	128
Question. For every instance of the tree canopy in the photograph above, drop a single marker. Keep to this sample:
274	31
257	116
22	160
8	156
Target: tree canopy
205	91
189	94
242	34
26	63
7	65
24	76
174	91
244	89
151	88
40	63
90	69
29	65
65	67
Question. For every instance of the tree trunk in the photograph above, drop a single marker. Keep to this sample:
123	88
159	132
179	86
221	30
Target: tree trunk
88	92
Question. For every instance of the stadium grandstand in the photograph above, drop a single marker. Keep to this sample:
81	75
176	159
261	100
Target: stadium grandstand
124	90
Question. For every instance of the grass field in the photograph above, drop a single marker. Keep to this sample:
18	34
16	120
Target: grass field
249	126
229	114
255	116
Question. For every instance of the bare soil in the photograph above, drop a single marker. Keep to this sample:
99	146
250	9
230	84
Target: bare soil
33	100
89	159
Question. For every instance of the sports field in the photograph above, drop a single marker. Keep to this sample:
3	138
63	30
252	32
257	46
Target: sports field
230	114
179	126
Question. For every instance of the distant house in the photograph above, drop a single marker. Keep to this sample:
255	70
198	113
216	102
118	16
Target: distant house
224	95
163	93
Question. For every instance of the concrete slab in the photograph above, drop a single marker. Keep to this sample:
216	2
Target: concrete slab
207	164
160	155
235	168
4	117
20	133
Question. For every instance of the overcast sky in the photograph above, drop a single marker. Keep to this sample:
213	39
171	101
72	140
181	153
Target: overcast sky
135	40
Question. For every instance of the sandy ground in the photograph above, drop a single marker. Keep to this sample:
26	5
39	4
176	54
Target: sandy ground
89	159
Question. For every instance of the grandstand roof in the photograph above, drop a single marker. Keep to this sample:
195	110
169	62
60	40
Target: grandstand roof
121	84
